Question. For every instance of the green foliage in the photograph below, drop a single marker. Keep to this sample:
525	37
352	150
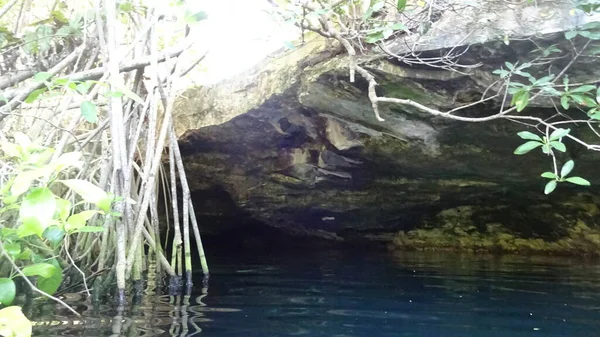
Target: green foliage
548	144
8	291
401	5
381	30
191	17
89	111
563	176
41	219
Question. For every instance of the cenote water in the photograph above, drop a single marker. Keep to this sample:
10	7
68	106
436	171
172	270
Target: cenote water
338	292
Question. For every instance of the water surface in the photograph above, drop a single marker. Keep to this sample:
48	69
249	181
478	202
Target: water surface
349	293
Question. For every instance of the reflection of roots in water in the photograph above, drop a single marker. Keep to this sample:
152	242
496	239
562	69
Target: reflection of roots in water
382	315
154	315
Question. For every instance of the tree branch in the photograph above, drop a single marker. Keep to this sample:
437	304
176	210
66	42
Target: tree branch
22	94
16	97
10	80
7	7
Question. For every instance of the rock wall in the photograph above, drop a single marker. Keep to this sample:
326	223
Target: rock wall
296	145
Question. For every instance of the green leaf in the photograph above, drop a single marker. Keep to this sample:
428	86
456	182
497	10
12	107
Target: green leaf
30	227
51	284
567	168
545	79
583	100
374	38
61	81
524	66
45	270
591	25
368	13
590	35
86	190
578	181
546	148
37	211
195	17
598	95
529	136
8	291
10	149
126	6
387	33
26	255
69	159
569	35
54	235
559	133
119	84
3	99
89	112
551	91
106	203
50	276
78	220
583	88
42	76
115	94
564	101
401	5
524	148
501	72
559	146
550	186
520	100
509	65
58	16
13	249
35	94
83	88
378	6
63	208
90	229
24	180
549	175
398	26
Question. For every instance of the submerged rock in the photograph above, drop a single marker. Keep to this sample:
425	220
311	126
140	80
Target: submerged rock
296	146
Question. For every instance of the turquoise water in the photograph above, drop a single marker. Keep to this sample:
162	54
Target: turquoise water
349	293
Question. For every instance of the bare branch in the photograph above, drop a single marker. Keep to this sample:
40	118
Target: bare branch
7	7
22	95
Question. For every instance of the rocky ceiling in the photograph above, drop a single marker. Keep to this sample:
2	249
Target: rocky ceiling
295	145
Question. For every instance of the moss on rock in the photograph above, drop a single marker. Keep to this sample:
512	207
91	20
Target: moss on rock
580	240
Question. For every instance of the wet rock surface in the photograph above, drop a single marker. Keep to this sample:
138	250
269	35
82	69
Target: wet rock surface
296	146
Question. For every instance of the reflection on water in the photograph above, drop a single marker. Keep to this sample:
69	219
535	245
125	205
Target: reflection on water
341	293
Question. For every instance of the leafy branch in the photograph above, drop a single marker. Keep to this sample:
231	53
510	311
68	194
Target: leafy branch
341	21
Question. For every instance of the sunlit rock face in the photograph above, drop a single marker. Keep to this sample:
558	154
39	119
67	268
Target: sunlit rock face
296	146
